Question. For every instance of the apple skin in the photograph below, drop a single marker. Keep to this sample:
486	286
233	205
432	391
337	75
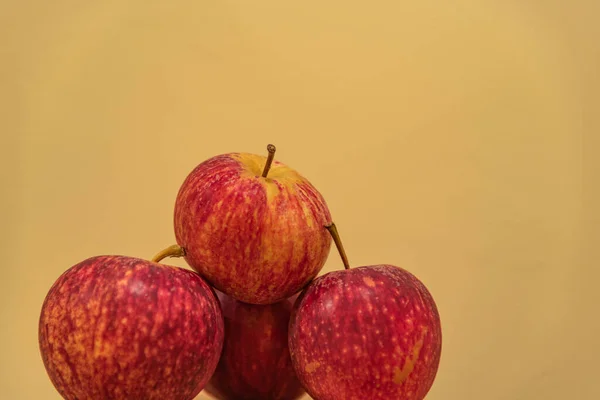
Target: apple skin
371	332
255	363
115	327
258	240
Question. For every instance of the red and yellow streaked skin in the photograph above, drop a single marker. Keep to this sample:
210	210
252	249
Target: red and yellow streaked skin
255	363
366	333
259	240
114	327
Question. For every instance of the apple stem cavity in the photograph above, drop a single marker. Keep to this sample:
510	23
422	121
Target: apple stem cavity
338	243
171	251
271	149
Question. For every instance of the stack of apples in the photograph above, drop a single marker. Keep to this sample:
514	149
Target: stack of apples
251	318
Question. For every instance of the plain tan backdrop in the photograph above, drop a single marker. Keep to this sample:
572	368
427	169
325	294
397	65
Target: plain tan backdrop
455	139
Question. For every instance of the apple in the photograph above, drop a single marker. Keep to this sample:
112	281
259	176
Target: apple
116	327
251	226
255	363
371	332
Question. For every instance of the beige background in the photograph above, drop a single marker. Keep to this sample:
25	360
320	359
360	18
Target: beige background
447	138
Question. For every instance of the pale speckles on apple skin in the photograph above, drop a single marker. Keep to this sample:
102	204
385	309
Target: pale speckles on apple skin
371	338
104	332
259	251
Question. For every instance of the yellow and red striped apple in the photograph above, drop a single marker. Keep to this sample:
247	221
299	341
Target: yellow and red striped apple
122	328
251	226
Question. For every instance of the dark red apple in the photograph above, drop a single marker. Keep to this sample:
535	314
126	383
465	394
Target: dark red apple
255	363
253	227
371	332
115	327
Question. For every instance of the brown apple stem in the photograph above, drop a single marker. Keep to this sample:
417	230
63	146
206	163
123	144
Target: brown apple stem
171	251
271	149
338	243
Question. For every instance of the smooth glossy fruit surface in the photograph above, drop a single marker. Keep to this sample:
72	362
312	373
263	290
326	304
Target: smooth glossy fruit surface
255	363
114	327
370	332
257	239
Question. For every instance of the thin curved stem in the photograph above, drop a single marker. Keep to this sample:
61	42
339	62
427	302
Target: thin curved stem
171	251
338	243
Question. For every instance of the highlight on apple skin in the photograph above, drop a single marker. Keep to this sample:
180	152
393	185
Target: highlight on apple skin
116	327
370	332
255	363
252	227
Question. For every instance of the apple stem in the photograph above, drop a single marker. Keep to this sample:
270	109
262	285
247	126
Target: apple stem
338	243
271	149
171	251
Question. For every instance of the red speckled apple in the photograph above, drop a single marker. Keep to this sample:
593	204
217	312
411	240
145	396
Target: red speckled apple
115	327
253	227
370	332
255	363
